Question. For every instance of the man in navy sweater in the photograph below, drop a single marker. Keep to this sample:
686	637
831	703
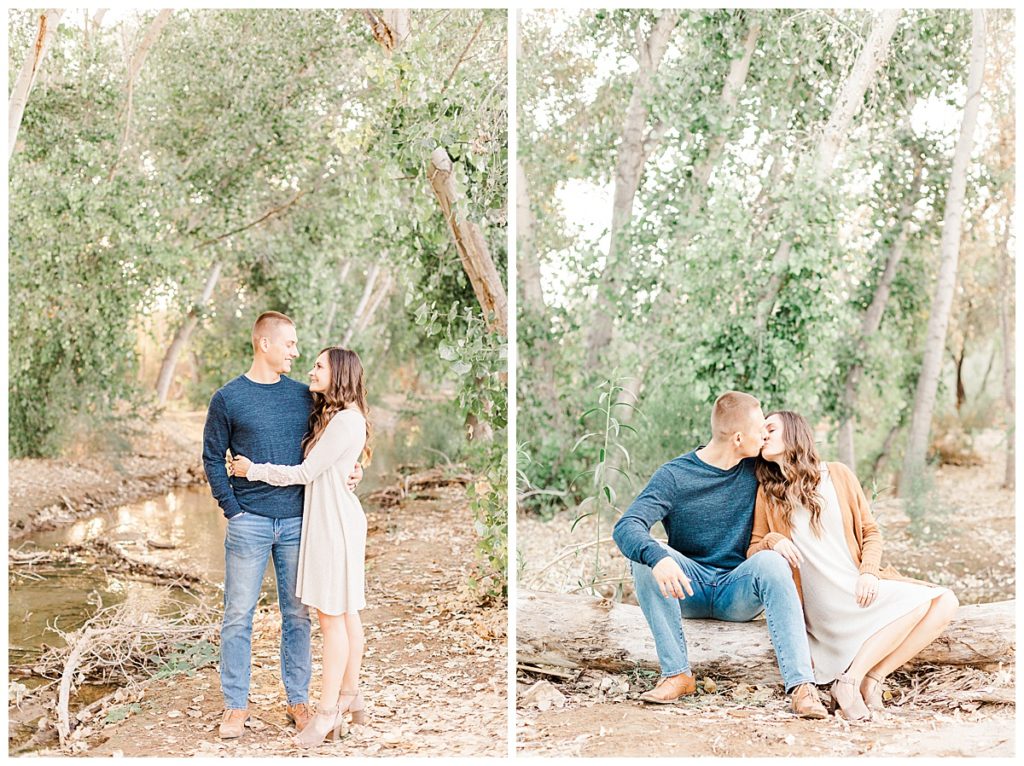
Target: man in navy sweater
262	415
705	501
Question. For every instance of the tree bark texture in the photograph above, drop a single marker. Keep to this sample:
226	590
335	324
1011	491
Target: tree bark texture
469	242
390	28
635	146
845	108
872	320
949	248
183	334
576	632
48	22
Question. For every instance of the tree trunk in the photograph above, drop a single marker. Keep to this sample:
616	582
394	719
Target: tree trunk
698	190
585	632
886	449
938	322
332	312
364	302
139	57
961	392
134	67
48	22
988	370
730	95
470	244
542	354
390	28
1006	330
872	320
97	18
527	262
635	146
375	301
847	104
183	334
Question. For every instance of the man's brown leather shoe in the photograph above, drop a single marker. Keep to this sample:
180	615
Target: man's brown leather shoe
232	724
805	703
670	689
299	715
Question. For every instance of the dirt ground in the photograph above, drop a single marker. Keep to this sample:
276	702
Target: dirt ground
434	674
709	727
968	547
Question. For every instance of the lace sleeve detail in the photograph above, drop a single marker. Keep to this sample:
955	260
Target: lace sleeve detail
340	442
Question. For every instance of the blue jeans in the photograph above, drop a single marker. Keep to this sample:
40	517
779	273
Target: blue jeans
764	582
250	540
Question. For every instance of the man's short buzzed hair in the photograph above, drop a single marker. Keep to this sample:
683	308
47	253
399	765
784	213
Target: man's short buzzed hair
731	413
265	322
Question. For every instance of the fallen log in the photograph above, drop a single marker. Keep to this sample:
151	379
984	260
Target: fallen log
576	632
432	478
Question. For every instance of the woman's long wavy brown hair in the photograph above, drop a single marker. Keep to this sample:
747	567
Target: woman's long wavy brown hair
346	387
793	481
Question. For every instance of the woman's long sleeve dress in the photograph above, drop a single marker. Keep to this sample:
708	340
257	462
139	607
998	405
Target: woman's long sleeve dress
332	551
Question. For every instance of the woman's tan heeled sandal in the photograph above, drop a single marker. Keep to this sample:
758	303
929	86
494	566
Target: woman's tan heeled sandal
849	712
328	722
357	707
875	700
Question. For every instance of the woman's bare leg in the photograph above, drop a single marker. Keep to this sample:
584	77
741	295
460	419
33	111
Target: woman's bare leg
880	645
335	657
356	643
940	611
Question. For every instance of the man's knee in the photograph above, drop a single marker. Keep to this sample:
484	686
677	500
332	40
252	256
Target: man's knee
238	613
771	568
293	610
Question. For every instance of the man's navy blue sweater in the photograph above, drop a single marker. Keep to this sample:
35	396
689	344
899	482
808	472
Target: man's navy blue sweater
264	422
708	513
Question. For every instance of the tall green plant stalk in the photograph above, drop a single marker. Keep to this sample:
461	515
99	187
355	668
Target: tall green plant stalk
603	496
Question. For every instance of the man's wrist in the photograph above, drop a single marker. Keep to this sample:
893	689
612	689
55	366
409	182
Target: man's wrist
653	558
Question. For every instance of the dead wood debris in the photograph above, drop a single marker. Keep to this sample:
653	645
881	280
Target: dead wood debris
102	554
418	482
149	633
929	689
951	688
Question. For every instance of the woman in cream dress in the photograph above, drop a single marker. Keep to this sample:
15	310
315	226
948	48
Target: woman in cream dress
333	543
862	622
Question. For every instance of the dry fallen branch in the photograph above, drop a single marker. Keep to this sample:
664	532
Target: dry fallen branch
108	556
417	482
123	644
951	688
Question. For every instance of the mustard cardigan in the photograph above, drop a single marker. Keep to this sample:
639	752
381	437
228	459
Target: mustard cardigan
859	527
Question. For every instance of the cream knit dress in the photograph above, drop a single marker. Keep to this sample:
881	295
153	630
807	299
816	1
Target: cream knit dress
836	626
332	549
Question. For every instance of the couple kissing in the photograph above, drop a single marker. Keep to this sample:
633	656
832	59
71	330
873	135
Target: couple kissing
756	522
